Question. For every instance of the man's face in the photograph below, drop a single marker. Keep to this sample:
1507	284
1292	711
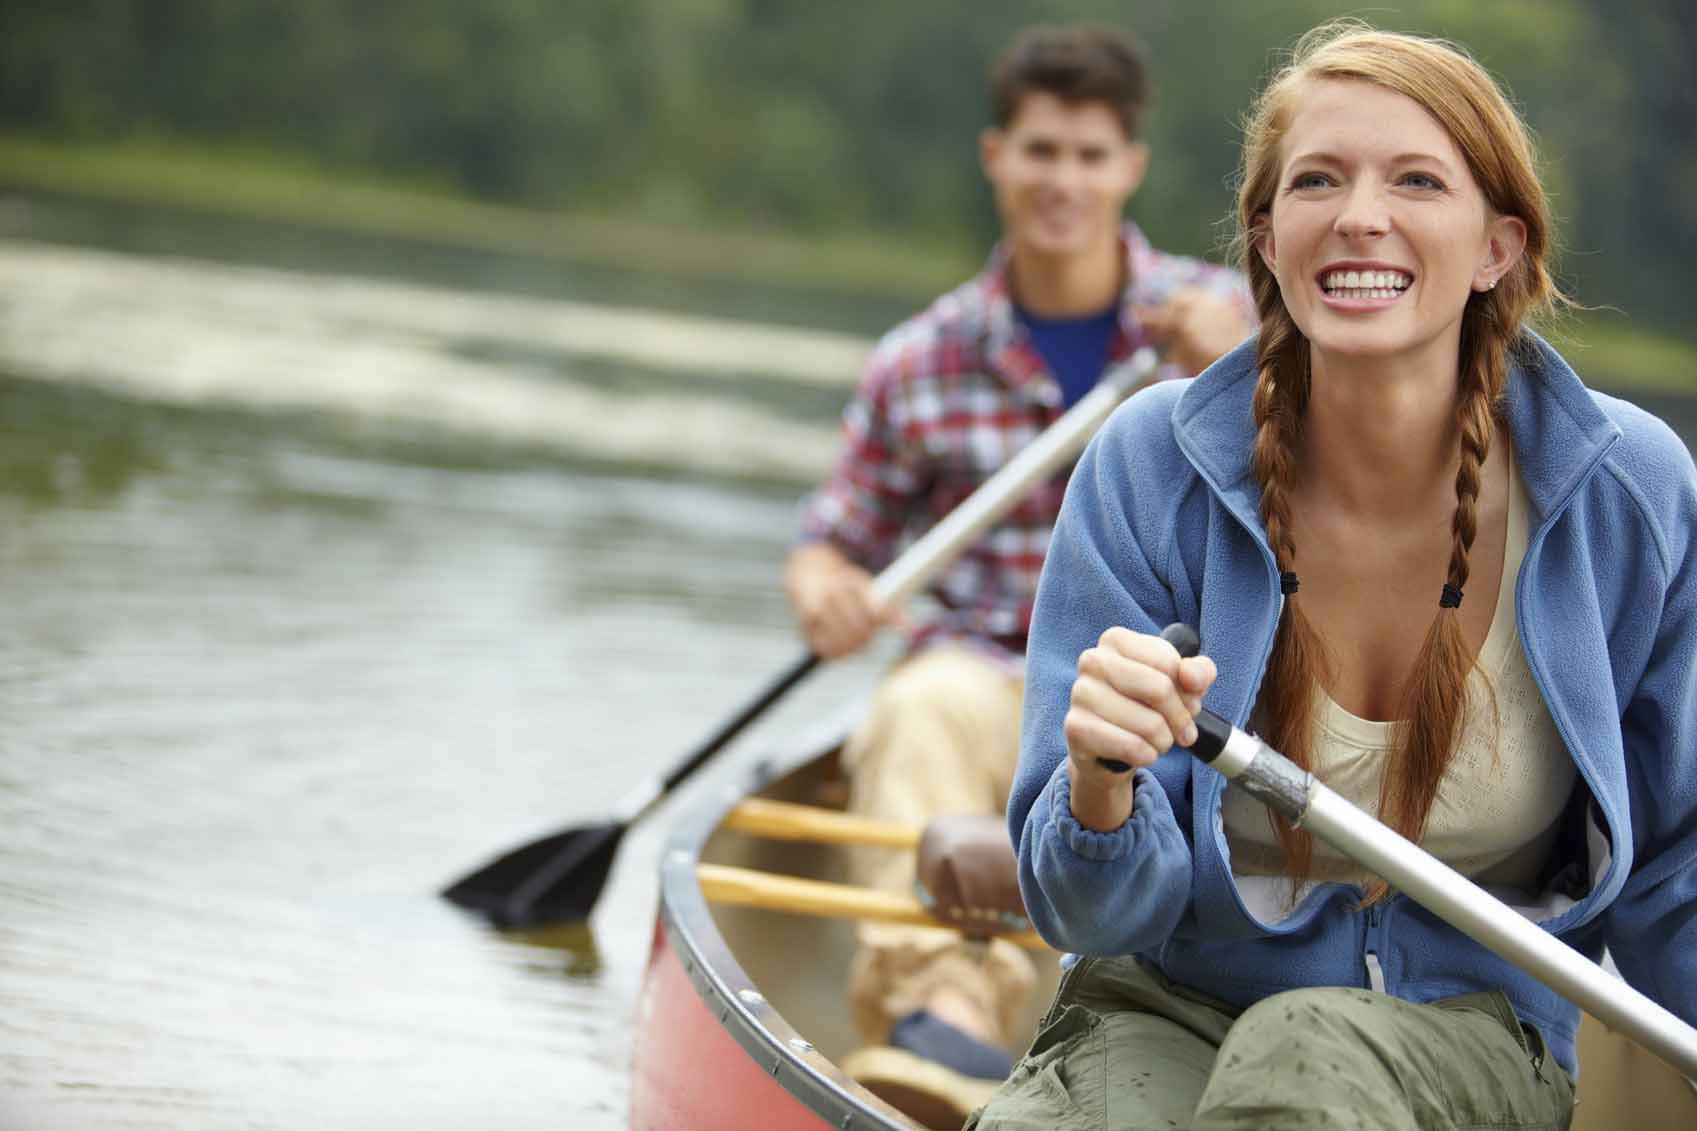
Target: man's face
1061	173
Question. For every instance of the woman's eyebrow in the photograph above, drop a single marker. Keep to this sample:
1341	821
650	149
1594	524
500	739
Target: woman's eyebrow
1328	157
1420	157
1314	157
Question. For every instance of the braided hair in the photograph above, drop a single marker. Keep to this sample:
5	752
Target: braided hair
1452	87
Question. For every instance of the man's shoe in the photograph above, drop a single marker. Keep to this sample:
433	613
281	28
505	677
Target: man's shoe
932	1072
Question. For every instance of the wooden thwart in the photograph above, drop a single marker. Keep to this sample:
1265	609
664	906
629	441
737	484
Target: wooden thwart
784	820
748	887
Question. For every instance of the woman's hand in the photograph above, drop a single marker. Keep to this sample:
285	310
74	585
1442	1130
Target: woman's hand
1133	700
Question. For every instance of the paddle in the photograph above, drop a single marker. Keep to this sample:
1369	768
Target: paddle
559	877
1296	795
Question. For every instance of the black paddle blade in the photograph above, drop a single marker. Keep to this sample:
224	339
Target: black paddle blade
553	880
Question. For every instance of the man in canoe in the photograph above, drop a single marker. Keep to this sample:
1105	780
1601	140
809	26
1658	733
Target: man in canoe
946	399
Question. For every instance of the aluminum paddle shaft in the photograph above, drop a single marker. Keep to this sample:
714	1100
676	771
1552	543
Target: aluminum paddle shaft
1053	449
1297	796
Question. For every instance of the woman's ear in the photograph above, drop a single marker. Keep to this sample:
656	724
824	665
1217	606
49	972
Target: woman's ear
1261	239
1505	241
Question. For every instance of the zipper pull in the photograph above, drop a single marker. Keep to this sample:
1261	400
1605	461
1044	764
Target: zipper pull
1375	972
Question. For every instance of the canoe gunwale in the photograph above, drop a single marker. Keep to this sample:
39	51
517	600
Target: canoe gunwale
725	989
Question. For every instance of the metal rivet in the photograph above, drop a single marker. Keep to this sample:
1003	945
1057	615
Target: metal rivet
751	997
801	1044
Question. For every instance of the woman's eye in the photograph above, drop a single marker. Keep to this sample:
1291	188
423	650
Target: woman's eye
1310	181
1422	181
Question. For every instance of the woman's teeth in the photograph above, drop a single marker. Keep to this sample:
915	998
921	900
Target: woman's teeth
1366	284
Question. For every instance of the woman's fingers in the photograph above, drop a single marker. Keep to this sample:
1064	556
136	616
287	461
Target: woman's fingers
1098	700
1092	739
1134	699
1195	676
1143	669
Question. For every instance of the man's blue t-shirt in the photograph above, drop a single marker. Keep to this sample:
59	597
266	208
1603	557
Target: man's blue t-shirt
1074	349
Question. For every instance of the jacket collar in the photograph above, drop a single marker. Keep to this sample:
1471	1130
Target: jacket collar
1558	431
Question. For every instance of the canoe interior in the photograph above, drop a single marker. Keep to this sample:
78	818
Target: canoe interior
1621	1086
801	964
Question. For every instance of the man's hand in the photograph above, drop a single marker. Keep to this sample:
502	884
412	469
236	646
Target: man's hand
833	600
1194	327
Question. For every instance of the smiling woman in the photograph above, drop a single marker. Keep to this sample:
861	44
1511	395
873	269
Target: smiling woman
1319	501
1378	231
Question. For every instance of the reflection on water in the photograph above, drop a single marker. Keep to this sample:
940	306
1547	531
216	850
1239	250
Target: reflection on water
382	355
161	230
262	692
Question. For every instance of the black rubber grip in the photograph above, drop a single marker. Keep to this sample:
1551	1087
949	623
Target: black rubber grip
1211	730
1211	735
1182	637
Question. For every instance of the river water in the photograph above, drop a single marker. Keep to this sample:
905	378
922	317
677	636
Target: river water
318	590
329	568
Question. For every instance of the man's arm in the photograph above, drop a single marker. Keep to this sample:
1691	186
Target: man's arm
852	526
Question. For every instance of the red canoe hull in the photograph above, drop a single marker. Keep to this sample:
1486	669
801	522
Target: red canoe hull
689	1072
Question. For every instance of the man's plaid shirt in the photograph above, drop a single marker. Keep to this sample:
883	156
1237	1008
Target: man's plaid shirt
946	399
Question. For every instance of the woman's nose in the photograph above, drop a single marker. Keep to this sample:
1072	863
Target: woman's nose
1363	215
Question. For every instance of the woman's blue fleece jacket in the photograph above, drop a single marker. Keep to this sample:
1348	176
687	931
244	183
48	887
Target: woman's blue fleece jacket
1161	523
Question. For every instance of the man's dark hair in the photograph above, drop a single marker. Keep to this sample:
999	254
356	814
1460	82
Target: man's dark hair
1075	63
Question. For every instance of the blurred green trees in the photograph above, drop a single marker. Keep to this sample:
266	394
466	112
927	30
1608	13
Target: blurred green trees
790	115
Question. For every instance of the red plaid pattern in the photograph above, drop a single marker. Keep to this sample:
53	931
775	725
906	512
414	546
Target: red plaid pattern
946	399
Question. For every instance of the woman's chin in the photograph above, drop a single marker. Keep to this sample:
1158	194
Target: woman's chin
1358	339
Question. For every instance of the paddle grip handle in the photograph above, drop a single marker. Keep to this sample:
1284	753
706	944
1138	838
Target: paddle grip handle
1211	730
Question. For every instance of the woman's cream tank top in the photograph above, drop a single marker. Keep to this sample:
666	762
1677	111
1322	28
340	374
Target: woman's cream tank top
1495	816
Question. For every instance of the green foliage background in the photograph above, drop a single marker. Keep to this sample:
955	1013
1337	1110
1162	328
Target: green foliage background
812	118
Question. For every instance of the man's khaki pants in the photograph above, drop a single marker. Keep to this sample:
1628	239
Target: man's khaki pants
942	737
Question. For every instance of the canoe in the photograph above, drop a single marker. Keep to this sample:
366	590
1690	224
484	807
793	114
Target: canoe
741	1018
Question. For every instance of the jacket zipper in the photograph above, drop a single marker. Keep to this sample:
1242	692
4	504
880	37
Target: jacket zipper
1375	972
